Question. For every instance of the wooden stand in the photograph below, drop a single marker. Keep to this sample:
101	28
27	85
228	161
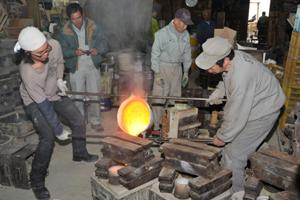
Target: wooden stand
155	194
102	189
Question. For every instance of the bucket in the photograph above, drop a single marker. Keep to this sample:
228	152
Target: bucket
125	61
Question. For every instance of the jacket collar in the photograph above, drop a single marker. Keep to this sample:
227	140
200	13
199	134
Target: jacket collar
173	30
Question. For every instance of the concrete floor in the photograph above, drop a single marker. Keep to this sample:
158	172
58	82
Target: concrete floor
67	180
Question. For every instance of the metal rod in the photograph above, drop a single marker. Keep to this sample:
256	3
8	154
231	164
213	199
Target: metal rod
148	96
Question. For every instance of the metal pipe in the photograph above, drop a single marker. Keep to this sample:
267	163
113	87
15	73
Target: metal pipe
148	96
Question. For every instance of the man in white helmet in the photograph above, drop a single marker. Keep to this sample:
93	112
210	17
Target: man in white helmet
41	70
254	99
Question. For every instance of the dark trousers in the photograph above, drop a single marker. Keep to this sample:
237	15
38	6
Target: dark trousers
68	112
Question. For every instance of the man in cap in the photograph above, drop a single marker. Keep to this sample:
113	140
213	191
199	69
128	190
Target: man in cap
254	100
83	45
170	49
41	69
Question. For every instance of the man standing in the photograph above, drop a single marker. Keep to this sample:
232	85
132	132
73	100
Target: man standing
41	69
170	49
254	100
83	45
262	27
205	28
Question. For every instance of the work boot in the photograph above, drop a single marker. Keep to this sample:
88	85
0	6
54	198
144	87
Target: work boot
41	193
86	158
97	127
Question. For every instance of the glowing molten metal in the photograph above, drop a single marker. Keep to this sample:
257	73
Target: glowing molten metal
134	115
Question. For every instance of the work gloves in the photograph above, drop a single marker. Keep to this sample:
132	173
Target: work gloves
216	96
185	79
62	86
159	80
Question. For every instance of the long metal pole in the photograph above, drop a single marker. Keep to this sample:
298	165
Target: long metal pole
148	96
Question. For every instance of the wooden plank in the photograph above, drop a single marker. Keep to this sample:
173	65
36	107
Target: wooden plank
189	168
212	193
189	126
166	187
167	175
148	175
122	145
202	184
126	170
285	195
279	166
105	163
197	145
253	187
122	157
274	171
100	173
145	143
266	150
188	154
137	172
155	194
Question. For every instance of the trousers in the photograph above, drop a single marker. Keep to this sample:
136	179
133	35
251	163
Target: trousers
171	75
236	153
69	113
87	79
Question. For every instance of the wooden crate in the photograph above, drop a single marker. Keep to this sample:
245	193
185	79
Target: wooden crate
155	194
101	189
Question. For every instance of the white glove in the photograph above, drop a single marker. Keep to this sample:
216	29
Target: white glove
185	79
62	86
64	135
216	96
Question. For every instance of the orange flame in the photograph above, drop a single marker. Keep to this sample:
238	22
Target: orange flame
134	115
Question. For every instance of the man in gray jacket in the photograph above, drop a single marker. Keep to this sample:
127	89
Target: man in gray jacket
254	100
170	49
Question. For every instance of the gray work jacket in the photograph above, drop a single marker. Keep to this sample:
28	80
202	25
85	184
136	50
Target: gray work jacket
171	46
252	92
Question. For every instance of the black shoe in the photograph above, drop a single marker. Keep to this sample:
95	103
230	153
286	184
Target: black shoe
97	127
41	193
87	158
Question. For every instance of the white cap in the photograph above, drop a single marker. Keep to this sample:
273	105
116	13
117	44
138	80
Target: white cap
214	49
30	39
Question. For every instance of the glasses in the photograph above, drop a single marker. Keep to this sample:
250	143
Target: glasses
43	52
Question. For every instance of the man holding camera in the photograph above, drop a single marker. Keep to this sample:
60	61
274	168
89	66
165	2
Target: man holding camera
83	45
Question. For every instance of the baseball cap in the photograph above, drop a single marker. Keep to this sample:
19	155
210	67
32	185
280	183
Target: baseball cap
214	49
184	15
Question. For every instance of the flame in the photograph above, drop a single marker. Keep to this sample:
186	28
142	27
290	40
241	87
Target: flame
134	115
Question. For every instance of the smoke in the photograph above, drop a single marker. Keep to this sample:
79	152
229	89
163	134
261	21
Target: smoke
126	23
